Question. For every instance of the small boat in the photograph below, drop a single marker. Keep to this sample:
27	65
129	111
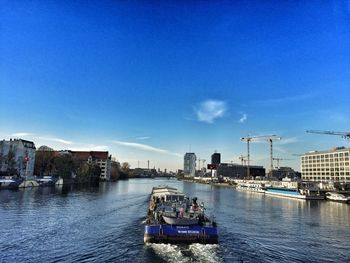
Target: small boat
59	181
28	182
174	218
8	184
337	197
296	193
252	187
46	181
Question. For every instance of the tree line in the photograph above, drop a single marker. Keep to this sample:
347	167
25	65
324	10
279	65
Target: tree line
74	170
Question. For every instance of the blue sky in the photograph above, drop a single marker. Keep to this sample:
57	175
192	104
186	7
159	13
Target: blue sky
150	80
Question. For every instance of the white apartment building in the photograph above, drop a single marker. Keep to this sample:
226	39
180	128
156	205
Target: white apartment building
101	158
105	165
17	157
326	166
190	164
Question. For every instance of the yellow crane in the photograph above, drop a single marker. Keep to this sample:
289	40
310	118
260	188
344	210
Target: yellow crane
268	138
345	135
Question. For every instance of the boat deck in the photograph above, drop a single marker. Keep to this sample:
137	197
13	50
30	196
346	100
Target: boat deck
174	218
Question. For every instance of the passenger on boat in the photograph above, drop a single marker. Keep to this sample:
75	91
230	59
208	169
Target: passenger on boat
194	204
152	207
181	214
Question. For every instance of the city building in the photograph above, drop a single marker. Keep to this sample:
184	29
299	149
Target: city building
326	166
101	158
239	171
285	172
190	164
17	157
216	158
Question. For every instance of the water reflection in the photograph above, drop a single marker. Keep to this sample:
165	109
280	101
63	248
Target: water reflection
105	224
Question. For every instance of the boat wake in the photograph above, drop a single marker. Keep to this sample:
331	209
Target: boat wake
190	253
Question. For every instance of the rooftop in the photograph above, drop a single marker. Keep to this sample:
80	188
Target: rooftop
336	149
84	155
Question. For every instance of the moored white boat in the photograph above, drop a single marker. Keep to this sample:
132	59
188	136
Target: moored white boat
8	184
28	183
59	181
337	197
252	187
46	181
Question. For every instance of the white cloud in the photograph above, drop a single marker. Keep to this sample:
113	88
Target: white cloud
209	110
53	139
58	143
21	134
280	149
145	147
90	148
285	141
143	138
289	99
243	118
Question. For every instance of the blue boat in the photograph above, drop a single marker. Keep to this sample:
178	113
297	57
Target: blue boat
174	218
304	194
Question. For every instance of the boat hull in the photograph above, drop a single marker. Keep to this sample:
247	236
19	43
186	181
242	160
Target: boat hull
346	201
180	234
28	183
8	184
294	195
337	197
251	187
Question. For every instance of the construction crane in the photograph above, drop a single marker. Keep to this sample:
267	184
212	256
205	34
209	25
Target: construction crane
243	159
345	135
268	138
203	160
280	159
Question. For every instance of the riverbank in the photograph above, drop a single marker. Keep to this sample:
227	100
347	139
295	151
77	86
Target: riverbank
285	188
207	180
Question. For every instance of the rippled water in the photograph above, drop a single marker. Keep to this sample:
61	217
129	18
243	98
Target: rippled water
105	225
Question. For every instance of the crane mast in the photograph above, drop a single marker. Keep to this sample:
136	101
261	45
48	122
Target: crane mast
269	138
243	159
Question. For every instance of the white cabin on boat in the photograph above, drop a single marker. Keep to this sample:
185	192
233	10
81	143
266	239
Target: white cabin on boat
168	194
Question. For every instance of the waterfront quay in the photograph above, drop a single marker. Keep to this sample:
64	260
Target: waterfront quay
281	188
105	224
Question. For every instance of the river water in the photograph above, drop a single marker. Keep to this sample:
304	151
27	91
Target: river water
105	224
